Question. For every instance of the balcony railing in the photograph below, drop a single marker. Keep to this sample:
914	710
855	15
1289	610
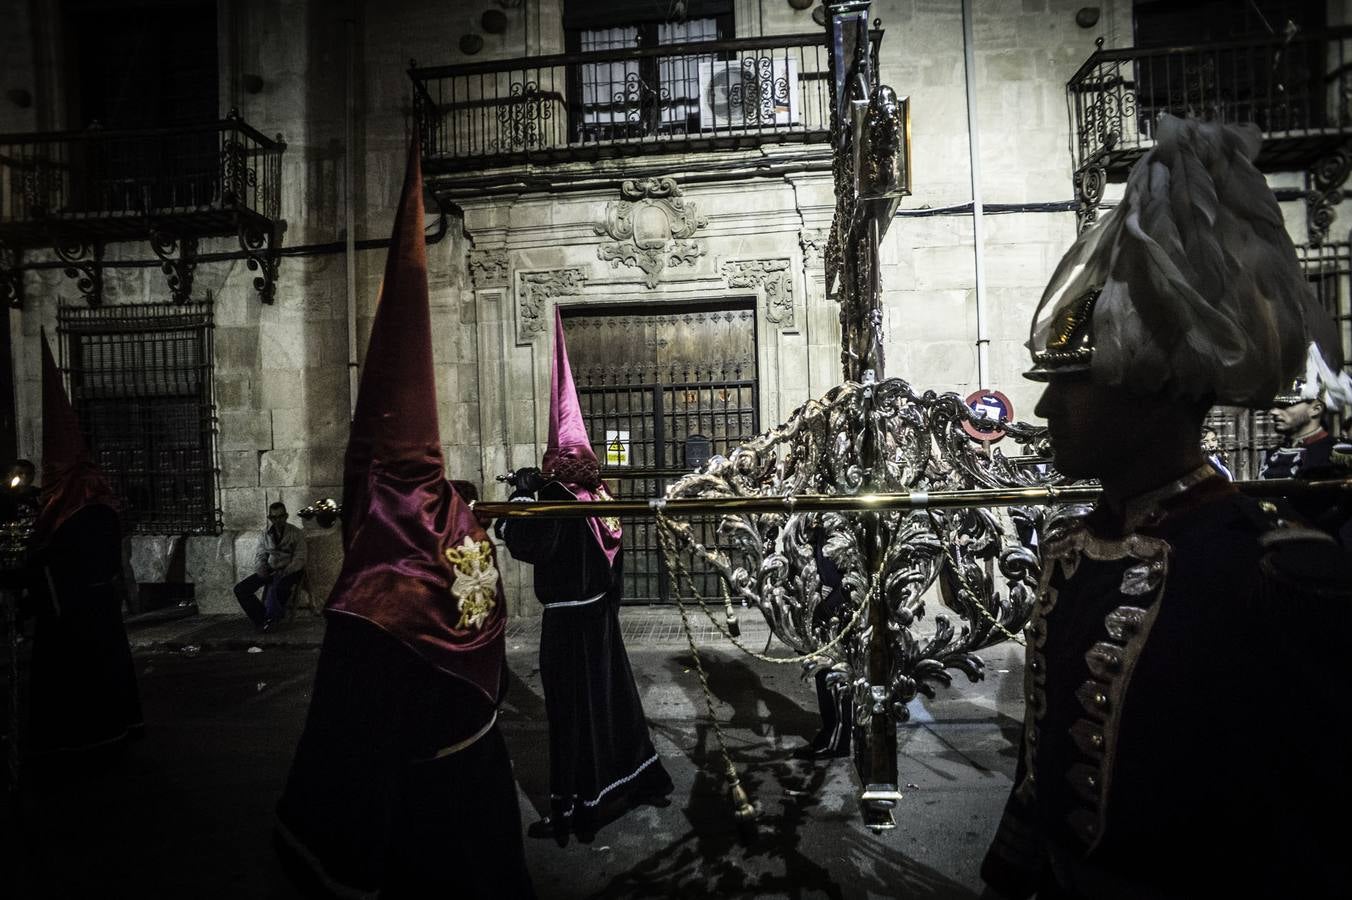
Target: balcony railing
578	106
193	180
1298	91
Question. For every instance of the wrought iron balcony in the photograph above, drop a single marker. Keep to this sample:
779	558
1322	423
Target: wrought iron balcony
1296	89
676	98
75	191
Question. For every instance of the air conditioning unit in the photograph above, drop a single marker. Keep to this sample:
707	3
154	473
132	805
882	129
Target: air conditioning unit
751	92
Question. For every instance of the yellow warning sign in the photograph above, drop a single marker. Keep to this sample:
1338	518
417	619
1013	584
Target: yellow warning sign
617	448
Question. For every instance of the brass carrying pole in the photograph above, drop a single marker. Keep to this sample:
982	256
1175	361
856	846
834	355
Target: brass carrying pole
904	501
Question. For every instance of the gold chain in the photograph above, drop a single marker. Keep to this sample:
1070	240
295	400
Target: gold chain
665	530
967	586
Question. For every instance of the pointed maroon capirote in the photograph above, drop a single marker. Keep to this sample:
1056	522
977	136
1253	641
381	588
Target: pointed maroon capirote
402	520
70	479
568	440
566	428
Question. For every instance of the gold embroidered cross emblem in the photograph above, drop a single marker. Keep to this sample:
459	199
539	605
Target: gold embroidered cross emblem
476	581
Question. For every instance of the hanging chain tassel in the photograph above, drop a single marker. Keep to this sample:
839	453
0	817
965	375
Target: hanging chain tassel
744	810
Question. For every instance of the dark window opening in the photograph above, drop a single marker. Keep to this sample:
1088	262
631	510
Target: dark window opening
141	384
1251	77
138	66
631	98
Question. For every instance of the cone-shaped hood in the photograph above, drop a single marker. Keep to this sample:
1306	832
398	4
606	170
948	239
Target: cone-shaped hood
396	414
569	451
566	428
70	479
416	562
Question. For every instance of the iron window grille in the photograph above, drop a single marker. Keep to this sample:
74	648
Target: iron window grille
141	383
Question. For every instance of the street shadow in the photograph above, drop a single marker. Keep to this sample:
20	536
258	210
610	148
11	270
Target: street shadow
525	727
720	856
959	715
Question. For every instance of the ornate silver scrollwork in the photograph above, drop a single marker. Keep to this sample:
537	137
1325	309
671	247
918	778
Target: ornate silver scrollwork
984	560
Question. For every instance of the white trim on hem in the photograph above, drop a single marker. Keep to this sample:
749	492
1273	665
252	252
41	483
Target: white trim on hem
575	602
608	788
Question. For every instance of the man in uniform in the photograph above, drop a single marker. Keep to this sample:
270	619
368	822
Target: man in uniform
601	756
1298	416
401	785
1179	620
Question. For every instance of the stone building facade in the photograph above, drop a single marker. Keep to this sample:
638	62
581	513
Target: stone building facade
743	227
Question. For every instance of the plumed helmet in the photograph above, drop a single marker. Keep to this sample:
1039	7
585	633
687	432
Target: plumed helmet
1190	288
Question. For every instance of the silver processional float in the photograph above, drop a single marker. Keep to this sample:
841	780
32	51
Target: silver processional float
881	479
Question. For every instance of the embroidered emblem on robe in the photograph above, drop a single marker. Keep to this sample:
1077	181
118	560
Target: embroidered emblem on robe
476	581
610	523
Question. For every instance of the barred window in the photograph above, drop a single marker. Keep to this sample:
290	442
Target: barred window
140	379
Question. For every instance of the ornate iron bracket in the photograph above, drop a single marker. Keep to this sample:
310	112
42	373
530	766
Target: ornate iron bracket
1089	184
11	276
84	263
1324	191
178	262
261	249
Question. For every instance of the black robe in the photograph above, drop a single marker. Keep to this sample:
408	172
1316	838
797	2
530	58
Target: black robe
599	747
1164	664
83	693
375	805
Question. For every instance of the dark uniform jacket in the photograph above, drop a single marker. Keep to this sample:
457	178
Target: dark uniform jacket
1290	462
1184	733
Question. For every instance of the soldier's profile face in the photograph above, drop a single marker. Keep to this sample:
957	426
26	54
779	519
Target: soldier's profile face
1290	419
1093	428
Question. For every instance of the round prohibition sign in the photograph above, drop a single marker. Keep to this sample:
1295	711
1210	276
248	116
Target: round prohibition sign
987	406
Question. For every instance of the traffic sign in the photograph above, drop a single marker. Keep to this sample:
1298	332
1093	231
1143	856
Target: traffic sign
987	406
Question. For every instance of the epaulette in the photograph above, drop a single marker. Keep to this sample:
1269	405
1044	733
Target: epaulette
1064	522
1302	567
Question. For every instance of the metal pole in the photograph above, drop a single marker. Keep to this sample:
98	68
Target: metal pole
978	221
349	212
862	503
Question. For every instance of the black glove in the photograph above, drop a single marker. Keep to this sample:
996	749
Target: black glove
528	481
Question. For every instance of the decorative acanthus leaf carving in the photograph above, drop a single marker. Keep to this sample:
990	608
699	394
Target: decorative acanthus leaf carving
813	242
488	268
774	277
535	289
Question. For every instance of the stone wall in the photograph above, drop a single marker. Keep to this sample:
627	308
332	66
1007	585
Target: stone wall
282	371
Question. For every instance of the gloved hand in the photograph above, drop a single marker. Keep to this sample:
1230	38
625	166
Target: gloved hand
528	481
